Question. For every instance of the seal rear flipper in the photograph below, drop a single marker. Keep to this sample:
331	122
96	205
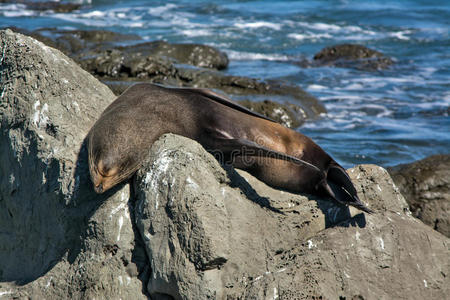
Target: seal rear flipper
244	147
339	187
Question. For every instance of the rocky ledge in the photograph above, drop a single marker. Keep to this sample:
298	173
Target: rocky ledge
184	227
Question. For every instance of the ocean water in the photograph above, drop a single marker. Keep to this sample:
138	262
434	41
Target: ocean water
384	117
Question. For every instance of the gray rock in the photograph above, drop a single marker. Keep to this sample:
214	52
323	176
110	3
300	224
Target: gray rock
426	186
211	233
188	228
58	239
352	56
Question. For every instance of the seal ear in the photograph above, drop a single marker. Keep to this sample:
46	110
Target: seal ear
339	187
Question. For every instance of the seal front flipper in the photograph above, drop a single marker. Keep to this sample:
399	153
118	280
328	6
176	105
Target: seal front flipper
339	187
243	147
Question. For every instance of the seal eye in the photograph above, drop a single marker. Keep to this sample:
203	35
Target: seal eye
105	171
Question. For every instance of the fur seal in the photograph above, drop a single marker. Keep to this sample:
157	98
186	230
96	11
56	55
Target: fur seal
283	158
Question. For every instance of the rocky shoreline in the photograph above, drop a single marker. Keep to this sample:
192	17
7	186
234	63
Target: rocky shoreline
184	227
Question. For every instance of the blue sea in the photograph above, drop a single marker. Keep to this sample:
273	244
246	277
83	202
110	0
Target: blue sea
384	117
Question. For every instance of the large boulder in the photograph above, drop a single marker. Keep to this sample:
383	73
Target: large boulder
188	228
216	233
425	184
58	239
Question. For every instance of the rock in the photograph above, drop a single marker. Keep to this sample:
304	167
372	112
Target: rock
115	64
135	56
193	54
58	239
120	71
288	114
77	43
425	184
156	62
222	234
188	228
352	56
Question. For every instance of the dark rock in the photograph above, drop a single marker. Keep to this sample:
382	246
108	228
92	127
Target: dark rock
287	114
120	71
352	56
193	54
425	184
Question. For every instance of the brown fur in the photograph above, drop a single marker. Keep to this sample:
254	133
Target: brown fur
283	158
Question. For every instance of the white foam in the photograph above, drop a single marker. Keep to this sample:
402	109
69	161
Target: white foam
94	14
21	13
316	87
16	10
309	36
157	11
320	26
255	25
236	55
401	35
196	32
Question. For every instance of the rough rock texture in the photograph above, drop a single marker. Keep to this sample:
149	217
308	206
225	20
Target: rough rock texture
288	114
188	227
426	186
225	235
91	48
58	239
193	54
352	56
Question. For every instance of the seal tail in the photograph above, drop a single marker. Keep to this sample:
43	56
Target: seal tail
339	187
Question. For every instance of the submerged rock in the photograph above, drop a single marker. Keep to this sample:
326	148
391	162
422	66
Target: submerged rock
426	186
352	56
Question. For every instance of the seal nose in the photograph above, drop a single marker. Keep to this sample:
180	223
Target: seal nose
99	188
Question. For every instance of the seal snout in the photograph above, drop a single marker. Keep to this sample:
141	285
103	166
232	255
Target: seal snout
99	188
